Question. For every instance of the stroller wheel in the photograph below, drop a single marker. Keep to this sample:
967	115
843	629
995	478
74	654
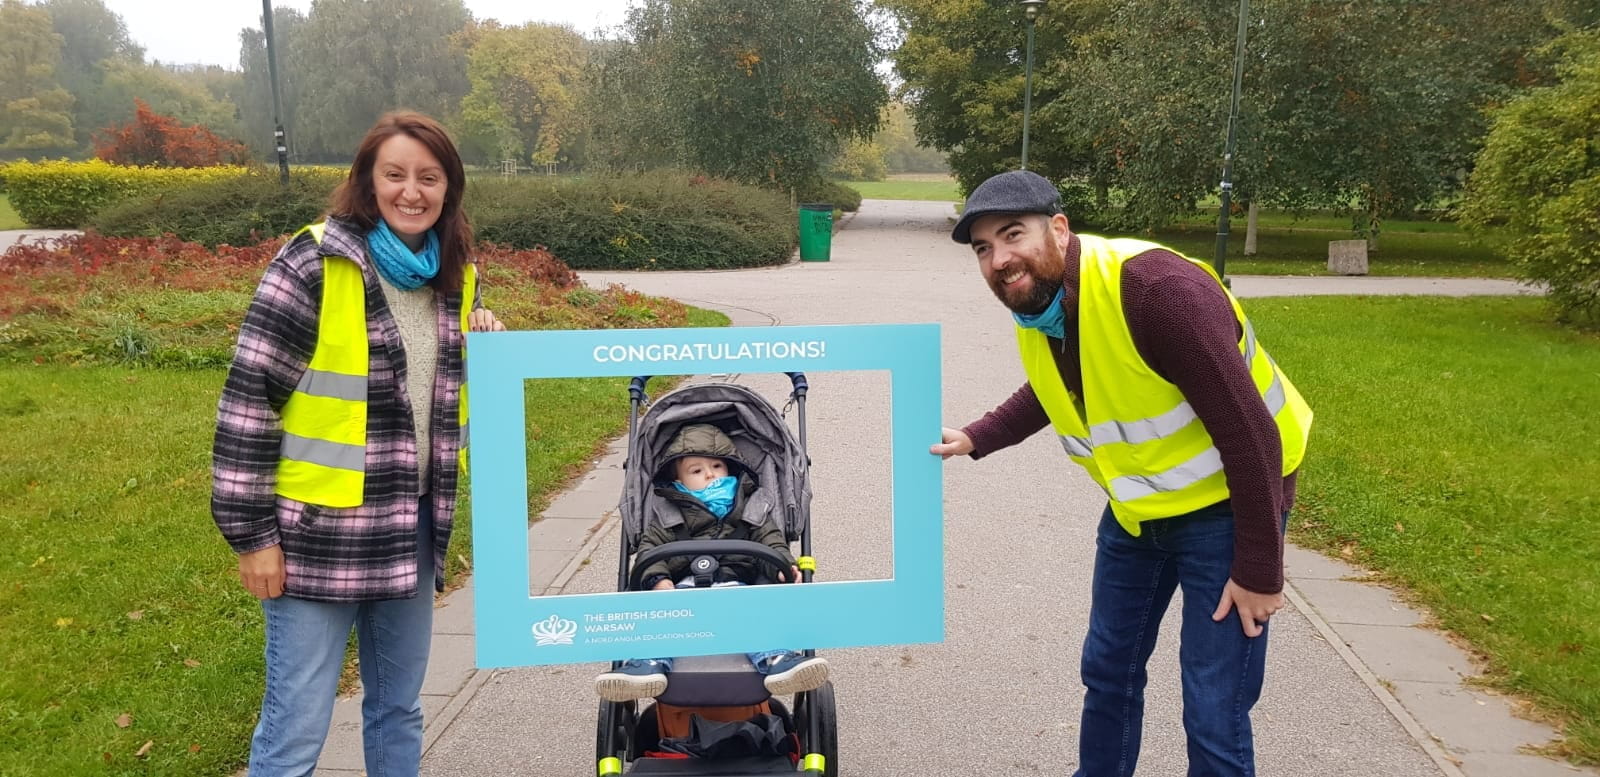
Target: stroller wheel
824	739
612	728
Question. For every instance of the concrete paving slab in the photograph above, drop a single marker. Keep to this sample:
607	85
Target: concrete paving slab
563	534
1468	721
544	566
1302	564
1518	765
589	502
452	614
1341	602
451	662
1407	653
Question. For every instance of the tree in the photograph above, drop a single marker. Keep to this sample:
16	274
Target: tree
901	150
757	92
1371	105
35	112
1538	180
255	93
154	139
525	92
347	63
93	37
389	55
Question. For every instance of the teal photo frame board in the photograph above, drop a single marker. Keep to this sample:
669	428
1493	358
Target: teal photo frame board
514	628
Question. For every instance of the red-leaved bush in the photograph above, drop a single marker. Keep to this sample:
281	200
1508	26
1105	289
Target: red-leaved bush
155	139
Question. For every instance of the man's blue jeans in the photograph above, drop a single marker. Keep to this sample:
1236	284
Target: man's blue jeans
1221	668
305	654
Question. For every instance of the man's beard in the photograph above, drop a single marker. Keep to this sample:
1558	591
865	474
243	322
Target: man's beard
1040	293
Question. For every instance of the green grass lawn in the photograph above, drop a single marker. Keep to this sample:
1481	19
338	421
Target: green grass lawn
1439	251
909	188
1455	451
8	215
117	595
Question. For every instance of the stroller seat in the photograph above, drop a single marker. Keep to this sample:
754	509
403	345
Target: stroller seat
725	680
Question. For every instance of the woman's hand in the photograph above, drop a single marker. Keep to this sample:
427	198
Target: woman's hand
262	573
664	584
483	320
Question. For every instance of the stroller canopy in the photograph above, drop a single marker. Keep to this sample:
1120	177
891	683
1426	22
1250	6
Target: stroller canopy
765	445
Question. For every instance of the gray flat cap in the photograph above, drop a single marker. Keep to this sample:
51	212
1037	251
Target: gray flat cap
1015	191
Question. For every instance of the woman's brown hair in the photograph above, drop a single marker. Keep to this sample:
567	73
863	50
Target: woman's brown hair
356	200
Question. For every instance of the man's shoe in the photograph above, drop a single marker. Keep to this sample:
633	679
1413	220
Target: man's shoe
643	679
795	673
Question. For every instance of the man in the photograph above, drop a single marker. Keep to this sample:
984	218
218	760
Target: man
1150	374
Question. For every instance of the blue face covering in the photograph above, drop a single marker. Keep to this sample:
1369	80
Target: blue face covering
717	497
397	263
1051	321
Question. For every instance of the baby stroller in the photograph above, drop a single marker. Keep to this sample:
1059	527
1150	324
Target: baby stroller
735	727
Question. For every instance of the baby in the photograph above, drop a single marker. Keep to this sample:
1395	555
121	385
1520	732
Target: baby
713	501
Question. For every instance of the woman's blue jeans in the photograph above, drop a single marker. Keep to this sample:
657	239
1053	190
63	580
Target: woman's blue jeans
305	654
1221	668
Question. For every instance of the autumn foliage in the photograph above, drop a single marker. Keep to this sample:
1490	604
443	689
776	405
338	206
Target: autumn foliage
154	139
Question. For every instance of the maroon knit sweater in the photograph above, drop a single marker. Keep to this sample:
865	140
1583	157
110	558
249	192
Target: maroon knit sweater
1185	329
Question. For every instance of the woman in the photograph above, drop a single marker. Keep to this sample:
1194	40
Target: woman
338	433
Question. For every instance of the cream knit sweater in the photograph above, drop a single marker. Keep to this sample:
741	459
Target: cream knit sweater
417	317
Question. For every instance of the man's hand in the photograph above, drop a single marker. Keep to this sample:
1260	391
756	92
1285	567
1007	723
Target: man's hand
1254	609
956	443
262	573
794	575
483	320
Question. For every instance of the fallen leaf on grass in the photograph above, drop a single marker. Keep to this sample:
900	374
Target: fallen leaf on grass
124	720
191	663
135	615
1569	647
195	748
145	749
1487	618
105	757
1399	527
62	623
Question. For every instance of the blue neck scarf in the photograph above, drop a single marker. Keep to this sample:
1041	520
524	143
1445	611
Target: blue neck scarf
717	497
397	263
1051	321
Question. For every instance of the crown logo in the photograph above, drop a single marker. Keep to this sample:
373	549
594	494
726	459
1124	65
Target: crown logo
554	630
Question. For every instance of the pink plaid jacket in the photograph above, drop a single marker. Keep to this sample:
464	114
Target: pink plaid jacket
333	554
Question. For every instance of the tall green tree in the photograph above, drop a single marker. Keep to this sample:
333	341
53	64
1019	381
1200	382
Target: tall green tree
1537	182
346	63
255	92
525	97
94	39
1368	104
35	112
758	92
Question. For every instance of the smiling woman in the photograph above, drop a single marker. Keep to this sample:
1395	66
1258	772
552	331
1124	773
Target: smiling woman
339	441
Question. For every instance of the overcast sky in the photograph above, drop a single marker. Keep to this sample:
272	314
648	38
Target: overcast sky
207	31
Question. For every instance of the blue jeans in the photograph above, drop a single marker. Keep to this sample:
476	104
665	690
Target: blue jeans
1221	668
305	653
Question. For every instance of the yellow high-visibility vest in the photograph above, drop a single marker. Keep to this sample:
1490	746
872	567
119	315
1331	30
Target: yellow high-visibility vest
322	460
1132	430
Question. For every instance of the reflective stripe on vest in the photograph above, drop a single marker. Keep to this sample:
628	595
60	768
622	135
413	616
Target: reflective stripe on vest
1133	431
322	459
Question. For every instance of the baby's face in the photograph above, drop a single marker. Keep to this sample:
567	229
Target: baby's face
697	472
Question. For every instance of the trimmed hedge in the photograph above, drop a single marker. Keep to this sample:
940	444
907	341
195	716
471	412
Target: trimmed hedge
65	195
240	210
831	192
649	221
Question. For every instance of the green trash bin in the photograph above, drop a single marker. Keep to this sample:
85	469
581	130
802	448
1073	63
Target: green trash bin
816	231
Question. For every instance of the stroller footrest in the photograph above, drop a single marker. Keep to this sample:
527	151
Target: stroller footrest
714	681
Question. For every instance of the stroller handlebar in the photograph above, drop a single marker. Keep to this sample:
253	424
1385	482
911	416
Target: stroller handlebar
716	548
797	380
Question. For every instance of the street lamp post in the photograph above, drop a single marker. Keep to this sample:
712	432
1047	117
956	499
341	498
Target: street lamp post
1030	11
1227	152
277	107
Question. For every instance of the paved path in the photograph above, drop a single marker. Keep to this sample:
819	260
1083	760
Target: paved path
1354	688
